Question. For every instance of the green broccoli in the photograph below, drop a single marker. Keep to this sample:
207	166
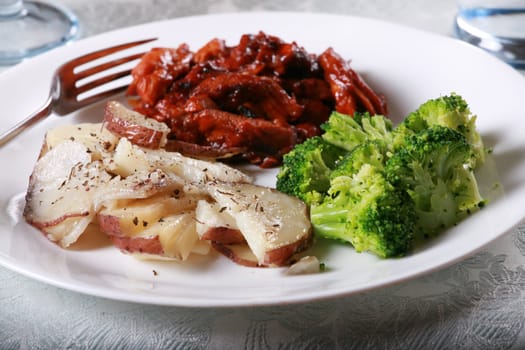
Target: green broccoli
346	132
433	168
306	169
374	152
367	211
453	112
305	172
380	187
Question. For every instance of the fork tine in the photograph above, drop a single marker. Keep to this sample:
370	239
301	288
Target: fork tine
101	81
107	51
62	101
102	95
101	67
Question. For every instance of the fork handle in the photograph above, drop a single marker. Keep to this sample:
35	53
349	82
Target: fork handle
40	114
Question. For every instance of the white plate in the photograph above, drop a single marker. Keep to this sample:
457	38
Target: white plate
407	65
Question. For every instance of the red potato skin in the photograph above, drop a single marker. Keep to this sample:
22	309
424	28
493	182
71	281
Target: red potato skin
110	225
149	245
230	251
281	256
137	134
224	235
42	225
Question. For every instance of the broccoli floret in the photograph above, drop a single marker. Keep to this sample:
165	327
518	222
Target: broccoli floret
380	187
453	112
367	211
348	132
433	168
305	172
374	152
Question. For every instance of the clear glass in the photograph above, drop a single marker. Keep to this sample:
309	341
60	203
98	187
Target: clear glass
497	26
28	28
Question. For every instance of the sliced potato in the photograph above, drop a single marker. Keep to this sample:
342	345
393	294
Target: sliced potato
178	235
306	265
99	141
61	192
141	131
131	217
142	184
215	224
200	248
239	253
172	237
157	203
195	170
129	158
275	225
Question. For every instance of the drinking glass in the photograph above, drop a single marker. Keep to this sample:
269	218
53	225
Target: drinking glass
28	28
497	26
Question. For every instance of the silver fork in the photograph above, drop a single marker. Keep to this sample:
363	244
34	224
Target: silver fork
64	95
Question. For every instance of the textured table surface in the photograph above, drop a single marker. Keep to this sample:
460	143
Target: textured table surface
478	303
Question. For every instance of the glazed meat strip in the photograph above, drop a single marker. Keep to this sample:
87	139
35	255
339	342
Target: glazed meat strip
157	70
229	131
252	101
350	91
249	95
